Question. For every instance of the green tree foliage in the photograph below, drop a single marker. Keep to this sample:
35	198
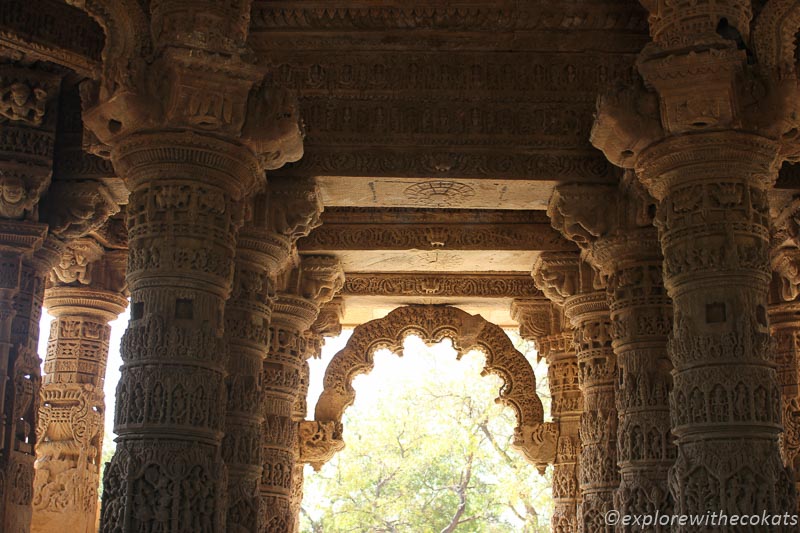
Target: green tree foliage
428	450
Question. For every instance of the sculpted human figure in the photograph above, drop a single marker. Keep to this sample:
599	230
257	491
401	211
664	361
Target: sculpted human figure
20	102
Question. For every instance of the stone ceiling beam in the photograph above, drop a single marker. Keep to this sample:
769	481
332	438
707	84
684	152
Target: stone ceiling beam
451	285
399	229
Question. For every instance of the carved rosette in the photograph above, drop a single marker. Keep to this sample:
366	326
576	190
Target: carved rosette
544	322
568	280
306	288
70	425
613	226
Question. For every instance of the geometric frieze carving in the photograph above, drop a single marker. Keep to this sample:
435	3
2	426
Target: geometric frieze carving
403	229
272	18
490	285
533	438
438	130
414	162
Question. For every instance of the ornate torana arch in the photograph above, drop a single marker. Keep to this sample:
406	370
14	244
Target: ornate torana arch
534	438
775	37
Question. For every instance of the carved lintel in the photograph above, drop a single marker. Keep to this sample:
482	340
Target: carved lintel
319	442
390	230
484	285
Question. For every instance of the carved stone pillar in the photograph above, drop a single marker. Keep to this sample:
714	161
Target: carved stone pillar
545	323
265	243
191	148
87	292
613	226
567	280
305	288
784	310
707	144
27	134
327	324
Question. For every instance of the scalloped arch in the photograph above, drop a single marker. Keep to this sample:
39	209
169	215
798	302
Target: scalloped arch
534	438
775	36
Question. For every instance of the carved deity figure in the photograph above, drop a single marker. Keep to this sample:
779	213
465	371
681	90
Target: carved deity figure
14	197
21	102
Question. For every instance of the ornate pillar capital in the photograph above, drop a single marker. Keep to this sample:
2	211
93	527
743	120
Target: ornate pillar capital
562	275
210	89
684	23
613	226
306	288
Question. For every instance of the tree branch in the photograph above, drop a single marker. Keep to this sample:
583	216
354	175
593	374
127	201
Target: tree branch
462	494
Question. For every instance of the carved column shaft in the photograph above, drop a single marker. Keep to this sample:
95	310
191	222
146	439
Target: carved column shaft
545	323
21	303
313	282
565	278
784	310
785	329
641	315
713	218
283	370
183	218
327	324
599	477
27	136
248	314
71	417
709	157
613	227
